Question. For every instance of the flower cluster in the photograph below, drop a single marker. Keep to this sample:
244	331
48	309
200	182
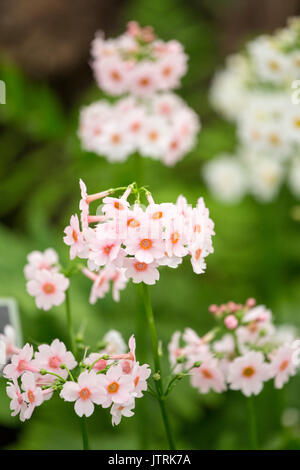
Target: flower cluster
148	118
255	91
110	378
137	62
130	242
162	127
241	353
45	282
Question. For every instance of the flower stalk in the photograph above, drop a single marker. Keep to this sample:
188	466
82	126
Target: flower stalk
156	359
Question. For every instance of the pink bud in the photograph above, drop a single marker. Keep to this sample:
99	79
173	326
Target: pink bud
213	309
231	306
231	322
250	303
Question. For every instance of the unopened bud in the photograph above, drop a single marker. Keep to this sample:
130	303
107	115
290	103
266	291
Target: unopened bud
156	376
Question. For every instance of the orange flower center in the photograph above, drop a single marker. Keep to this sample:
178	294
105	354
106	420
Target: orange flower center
30	396
198	253
274	139
48	288
133	223
107	249
273	65
144	81
136	381
248	371
197	228
140	266
75	236
135	126
54	362
84	393
284	365
174	145
166	71
115	138
175	237
113	387
146	244
115	75
206	373
297	122
118	205
153	135
157	215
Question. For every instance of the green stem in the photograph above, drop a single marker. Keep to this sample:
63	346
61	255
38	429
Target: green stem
252	424
85	439
156	359
70	326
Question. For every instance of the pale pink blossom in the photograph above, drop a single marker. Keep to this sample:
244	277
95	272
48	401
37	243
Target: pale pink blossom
17	404
143	79
248	373
53	357
111	75
140	374
145	247
32	394
48	288
20	362
96	360
140	271
117	411
74	238
208	376
117	386
85	392
8	341
38	260
282	366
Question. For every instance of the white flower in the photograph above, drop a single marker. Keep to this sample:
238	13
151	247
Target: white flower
226	178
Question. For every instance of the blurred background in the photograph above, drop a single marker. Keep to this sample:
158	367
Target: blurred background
44	61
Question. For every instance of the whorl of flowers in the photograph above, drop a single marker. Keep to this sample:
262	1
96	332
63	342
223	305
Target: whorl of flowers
241	353
125	242
137	62
147	118
110	377
162	127
255	91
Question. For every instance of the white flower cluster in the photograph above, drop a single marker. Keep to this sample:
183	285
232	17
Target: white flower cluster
241	353
255	91
147	118
162	127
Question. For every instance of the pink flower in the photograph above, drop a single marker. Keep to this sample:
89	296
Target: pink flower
197	259
170	69
114	207
85	393
38	260
175	238
140	374
32	395
74	238
83	205
52	357
48	288
103	250
117	386
231	322
119	281
20	363
100	286
153	138
117	411
17	404
248	373
143	79
98	362
145	247
282	366
141	272
208	376
111	75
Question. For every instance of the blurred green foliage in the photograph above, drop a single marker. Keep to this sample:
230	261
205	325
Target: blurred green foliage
257	253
